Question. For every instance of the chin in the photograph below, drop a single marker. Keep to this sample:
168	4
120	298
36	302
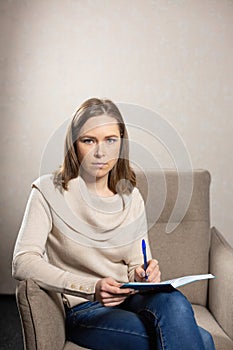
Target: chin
101	173
98	173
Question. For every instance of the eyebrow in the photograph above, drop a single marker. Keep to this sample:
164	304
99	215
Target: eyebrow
93	137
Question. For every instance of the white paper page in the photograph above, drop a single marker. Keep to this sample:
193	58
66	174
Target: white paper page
178	282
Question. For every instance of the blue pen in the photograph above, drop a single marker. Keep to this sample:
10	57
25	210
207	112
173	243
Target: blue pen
144	256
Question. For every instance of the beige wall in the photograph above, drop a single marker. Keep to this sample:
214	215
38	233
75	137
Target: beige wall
174	57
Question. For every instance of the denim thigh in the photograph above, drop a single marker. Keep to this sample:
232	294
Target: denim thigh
170	321
158	321
96	327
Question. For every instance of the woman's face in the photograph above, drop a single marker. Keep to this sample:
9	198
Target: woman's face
98	146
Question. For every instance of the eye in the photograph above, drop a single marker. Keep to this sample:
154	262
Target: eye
111	140
87	141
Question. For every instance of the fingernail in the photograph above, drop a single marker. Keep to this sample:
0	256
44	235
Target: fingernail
142	274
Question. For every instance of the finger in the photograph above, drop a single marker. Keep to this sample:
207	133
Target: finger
152	264
105	295
155	276
115	303
113	287
117	291
110	281
126	291
113	300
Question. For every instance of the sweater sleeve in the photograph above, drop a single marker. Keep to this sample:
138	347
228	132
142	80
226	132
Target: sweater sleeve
29	257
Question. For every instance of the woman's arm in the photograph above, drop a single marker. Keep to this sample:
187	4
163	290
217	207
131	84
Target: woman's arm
29	258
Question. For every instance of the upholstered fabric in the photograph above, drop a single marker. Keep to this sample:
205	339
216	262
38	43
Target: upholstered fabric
206	320
39	310
185	251
72	346
221	289
192	248
42	317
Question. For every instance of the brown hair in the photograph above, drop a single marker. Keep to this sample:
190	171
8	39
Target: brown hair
121	178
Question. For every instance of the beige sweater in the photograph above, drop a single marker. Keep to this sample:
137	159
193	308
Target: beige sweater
69	240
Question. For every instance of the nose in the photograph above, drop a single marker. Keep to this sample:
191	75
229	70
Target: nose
99	151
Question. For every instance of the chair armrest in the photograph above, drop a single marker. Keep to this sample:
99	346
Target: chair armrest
221	288
42	317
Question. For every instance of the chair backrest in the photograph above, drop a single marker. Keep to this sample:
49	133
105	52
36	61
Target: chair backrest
185	251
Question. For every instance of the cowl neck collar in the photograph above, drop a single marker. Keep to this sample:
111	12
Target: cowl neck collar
90	218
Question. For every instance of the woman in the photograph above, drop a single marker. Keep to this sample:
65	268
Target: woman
81	236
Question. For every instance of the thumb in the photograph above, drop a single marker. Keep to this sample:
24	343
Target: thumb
112	282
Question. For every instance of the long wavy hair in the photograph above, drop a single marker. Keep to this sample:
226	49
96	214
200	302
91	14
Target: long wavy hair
121	177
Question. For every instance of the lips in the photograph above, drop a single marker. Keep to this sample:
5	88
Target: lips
99	164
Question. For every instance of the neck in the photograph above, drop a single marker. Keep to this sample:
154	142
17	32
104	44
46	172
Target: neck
97	185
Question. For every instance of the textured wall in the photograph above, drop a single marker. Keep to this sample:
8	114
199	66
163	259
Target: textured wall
174	57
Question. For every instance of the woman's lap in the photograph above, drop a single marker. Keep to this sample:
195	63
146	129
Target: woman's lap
98	327
145	321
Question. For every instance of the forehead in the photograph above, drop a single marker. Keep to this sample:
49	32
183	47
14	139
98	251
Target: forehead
100	125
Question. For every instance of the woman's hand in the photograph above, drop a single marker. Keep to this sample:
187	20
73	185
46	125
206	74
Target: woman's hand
108	292
152	272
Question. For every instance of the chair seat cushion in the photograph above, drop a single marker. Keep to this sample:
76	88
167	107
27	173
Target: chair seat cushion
207	321
72	346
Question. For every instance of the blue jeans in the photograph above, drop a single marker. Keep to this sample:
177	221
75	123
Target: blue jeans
158	321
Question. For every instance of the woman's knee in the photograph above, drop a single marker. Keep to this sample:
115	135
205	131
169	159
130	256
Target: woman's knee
207	339
174	306
180	303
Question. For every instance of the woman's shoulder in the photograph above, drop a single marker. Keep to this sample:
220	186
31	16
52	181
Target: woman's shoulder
45	185
136	192
51	193
43	182
137	196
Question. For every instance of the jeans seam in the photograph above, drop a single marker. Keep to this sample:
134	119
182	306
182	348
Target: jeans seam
158	324
112	330
80	312
73	313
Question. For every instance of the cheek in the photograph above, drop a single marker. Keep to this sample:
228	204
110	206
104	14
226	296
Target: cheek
115	152
82	152
114	156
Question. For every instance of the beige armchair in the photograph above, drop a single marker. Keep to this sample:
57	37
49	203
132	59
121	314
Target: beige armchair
192	248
